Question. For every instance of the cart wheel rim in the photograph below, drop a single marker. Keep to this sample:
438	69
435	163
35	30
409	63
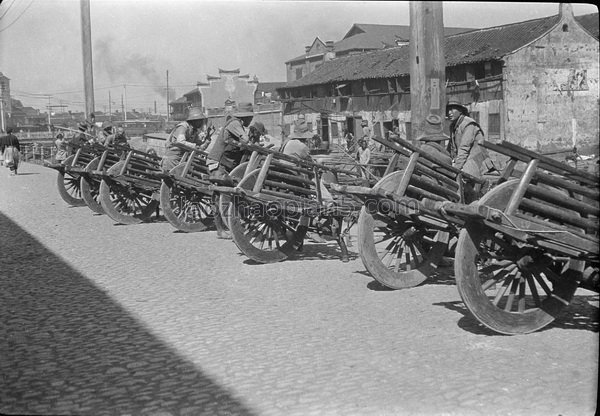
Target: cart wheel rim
264	233
398	252
68	185
510	288
186	209
125	204
90	188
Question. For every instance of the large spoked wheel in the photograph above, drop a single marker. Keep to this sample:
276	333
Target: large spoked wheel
68	185
90	188
263	233
510	287
186	210
397	251
125	204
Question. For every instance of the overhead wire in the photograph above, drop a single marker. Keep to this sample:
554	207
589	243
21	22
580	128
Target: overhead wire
7	9
18	17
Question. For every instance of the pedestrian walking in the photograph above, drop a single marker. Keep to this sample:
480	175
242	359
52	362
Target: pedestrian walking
11	149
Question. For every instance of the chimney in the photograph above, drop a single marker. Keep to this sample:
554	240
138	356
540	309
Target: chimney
306	49
329	45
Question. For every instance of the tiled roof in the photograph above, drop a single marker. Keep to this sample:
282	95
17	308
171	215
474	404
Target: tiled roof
474	46
269	86
180	100
368	36
364	36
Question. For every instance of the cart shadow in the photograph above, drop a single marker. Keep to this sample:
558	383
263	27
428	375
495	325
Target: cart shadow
581	314
313	251
26	174
441	278
67	347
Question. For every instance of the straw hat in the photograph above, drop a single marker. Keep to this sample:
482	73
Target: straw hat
458	106
433	130
195	113
244	110
301	131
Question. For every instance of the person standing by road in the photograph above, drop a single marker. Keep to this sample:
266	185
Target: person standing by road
62	148
349	138
464	145
11	149
363	155
188	133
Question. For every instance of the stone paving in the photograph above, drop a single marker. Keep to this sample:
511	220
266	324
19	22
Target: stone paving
104	319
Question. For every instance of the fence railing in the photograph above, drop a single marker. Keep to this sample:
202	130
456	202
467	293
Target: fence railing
38	154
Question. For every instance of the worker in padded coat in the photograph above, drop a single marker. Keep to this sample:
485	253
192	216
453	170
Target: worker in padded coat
464	146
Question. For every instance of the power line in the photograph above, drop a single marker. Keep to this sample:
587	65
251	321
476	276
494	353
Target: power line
18	17
7	9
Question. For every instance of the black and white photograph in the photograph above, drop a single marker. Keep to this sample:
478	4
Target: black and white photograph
299	208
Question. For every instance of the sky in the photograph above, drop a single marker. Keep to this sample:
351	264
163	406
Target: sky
135	42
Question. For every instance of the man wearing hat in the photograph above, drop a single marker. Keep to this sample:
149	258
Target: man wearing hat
464	146
223	156
107	130
81	137
432	138
296	145
186	132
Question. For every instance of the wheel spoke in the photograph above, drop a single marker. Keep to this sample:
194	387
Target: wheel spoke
512	292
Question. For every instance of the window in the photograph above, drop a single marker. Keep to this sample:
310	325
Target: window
565	28
298	73
494	126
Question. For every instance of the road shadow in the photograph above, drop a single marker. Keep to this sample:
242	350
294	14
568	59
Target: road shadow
68	348
581	314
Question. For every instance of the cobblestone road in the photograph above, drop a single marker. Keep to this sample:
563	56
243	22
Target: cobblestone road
103	319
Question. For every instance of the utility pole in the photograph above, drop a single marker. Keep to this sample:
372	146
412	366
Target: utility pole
168	95
125	107
122	106
428	64
109	107
49	111
86	45
2	125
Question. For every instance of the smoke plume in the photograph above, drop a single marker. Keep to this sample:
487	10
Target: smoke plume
131	68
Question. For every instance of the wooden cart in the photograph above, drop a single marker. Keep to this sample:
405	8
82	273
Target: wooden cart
70	170
401	238
187	199
91	176
279	200
129	191
528	244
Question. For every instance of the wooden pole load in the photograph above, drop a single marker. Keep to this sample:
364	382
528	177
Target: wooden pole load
86	46
427	63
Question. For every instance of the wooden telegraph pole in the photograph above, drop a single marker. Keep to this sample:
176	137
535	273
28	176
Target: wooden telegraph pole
428	64
86	45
